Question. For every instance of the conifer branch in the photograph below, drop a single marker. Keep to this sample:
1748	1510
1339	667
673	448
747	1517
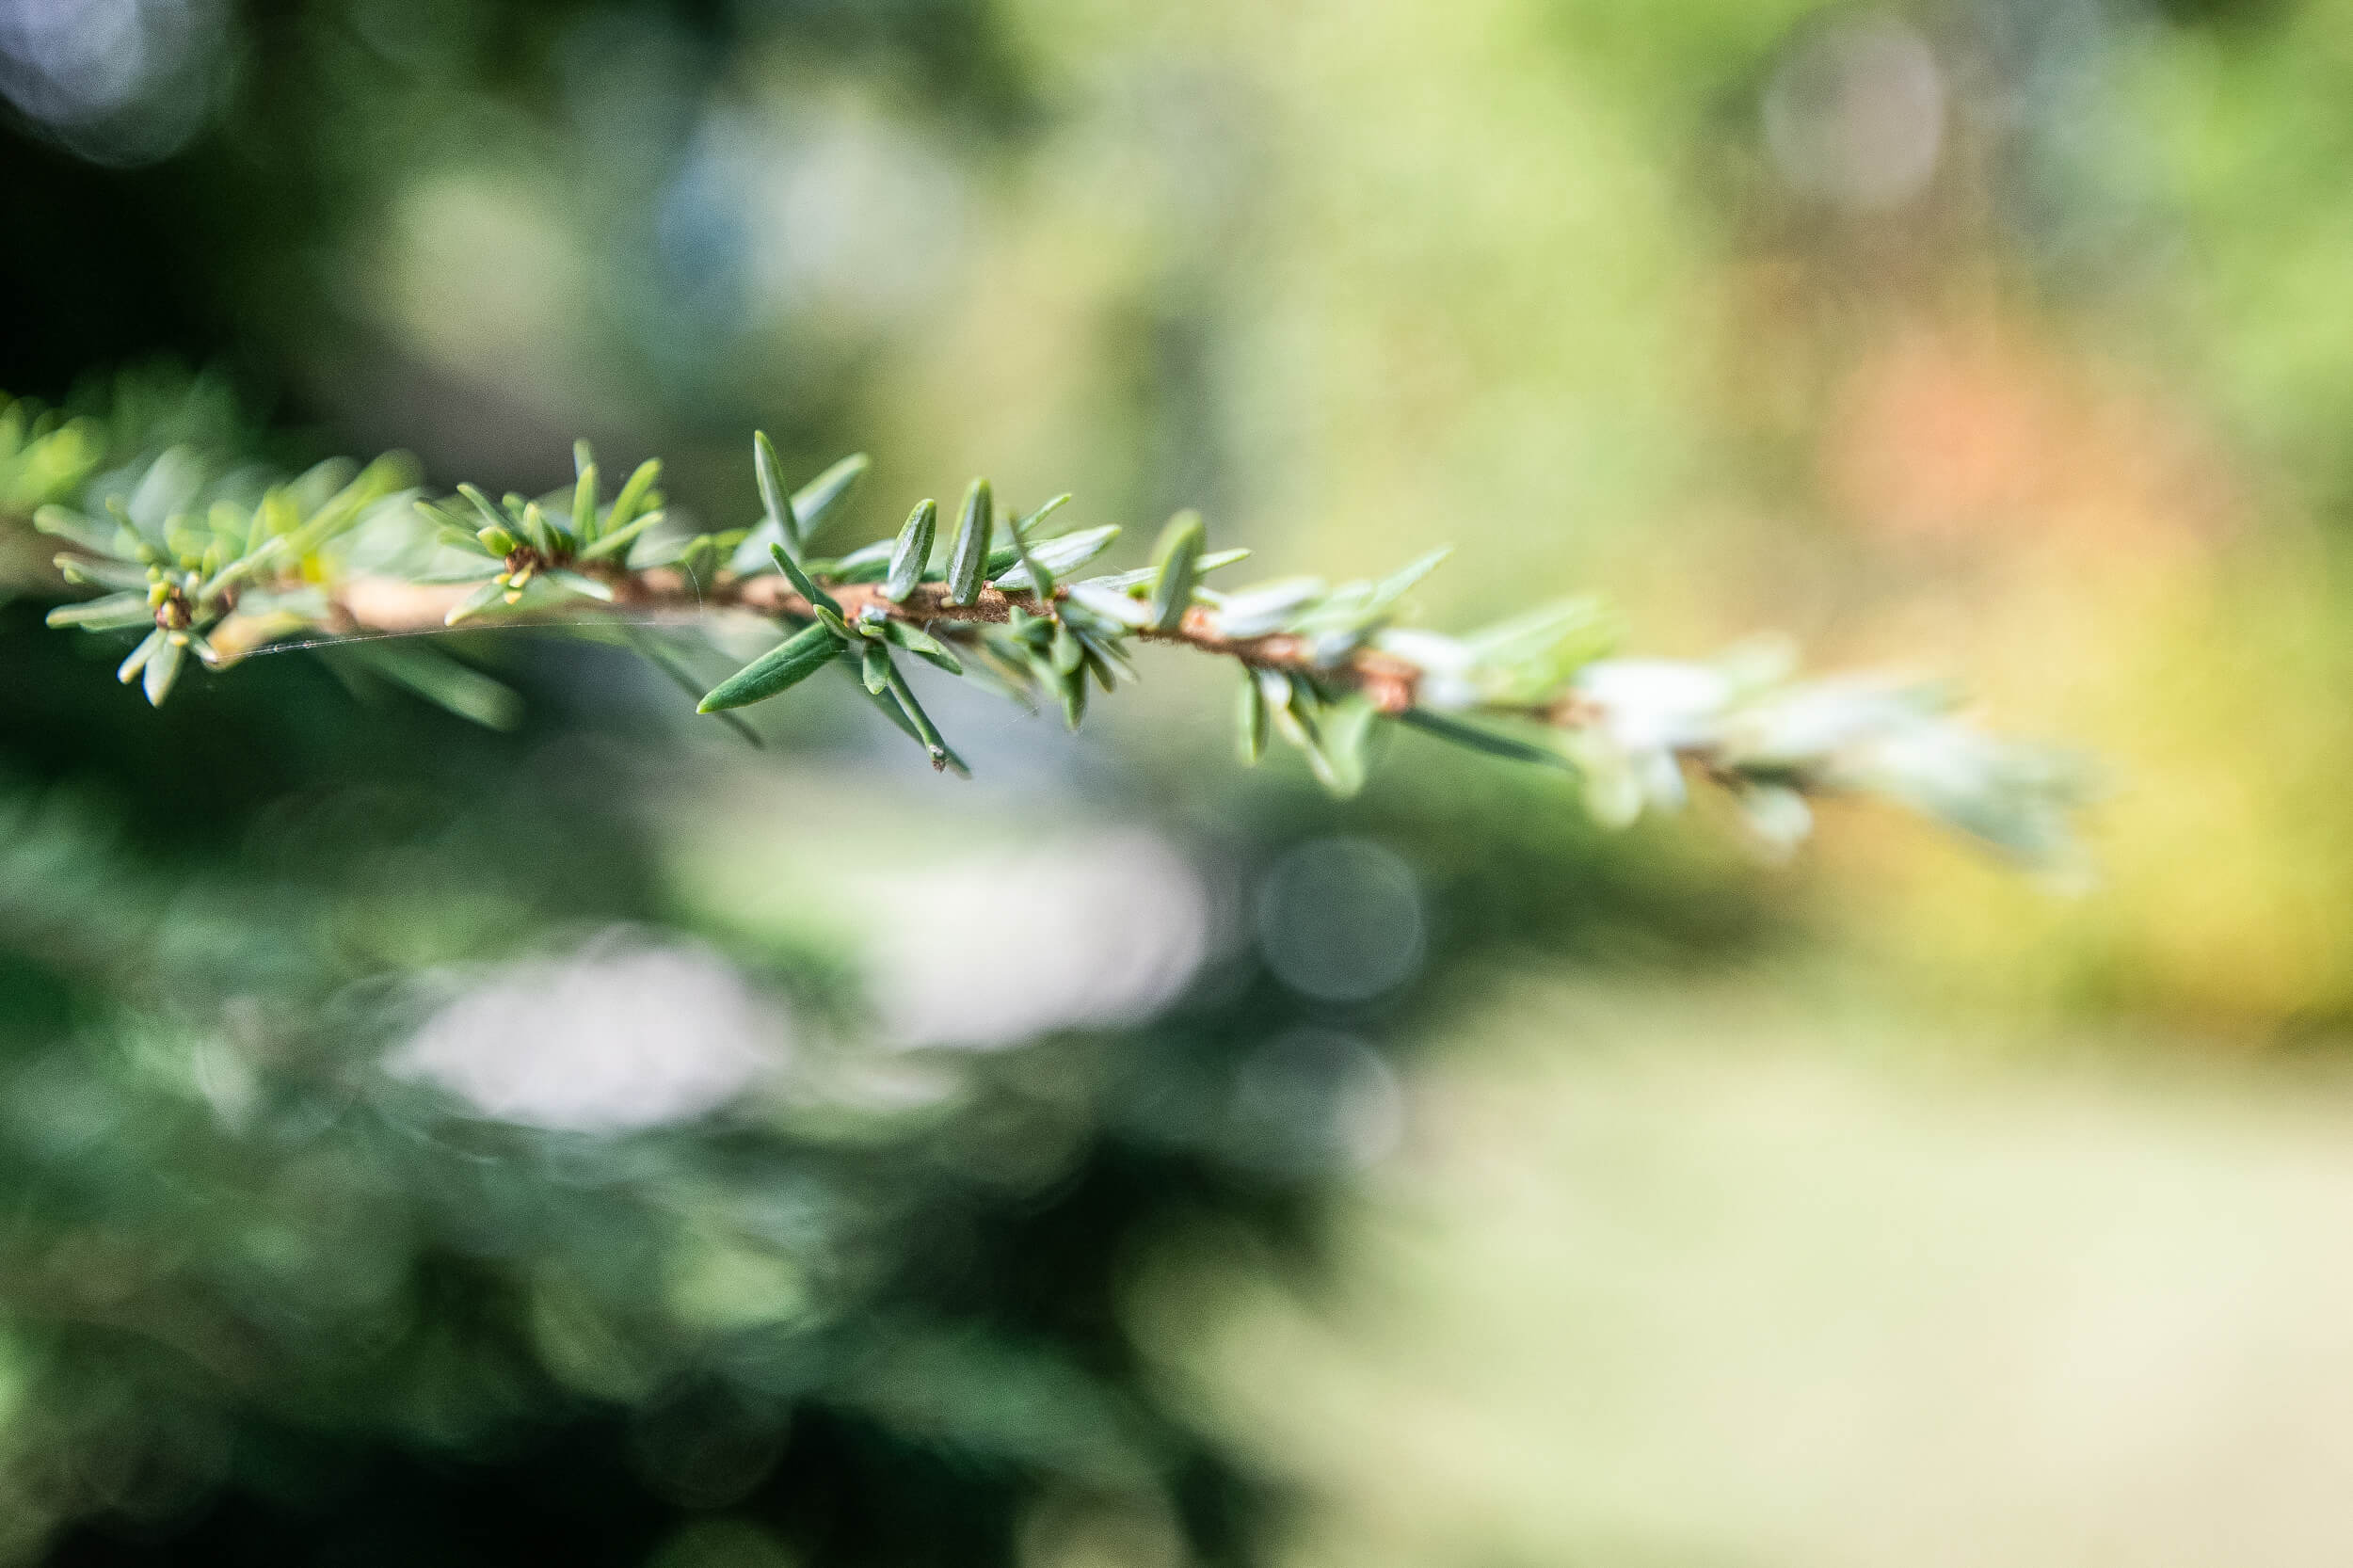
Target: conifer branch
217	564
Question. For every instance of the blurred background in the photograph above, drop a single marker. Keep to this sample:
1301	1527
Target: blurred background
596	1141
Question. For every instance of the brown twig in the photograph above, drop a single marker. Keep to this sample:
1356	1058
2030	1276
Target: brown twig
381	606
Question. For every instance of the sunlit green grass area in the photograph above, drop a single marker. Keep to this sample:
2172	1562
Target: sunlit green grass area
1691	1275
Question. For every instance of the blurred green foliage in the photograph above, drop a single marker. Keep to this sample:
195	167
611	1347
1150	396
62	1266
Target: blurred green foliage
282	1277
